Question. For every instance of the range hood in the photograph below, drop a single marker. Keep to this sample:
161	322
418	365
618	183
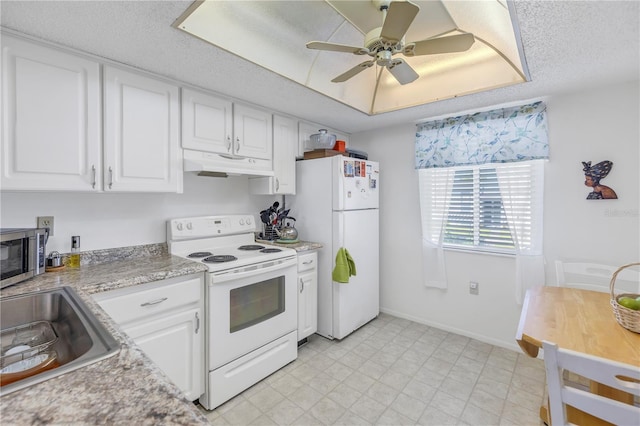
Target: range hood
222	165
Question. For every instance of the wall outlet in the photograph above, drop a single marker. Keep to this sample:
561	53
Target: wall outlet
46	222
474	287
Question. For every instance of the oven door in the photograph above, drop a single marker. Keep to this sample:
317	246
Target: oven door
249	308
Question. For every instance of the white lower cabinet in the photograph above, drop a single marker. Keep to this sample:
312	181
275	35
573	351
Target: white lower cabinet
307	294
166	320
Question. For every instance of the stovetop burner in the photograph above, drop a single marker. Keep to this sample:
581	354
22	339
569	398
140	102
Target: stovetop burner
251	247
200	254
270	250
219	258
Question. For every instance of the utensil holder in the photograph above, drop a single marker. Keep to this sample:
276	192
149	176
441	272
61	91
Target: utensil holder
270	233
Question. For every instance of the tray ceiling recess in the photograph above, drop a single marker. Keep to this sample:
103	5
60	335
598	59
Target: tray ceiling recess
344	50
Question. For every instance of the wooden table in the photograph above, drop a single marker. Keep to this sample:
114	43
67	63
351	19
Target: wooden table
582	321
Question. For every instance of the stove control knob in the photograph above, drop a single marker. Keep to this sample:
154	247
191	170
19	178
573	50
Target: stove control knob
249	220
189	226
179	226
241	221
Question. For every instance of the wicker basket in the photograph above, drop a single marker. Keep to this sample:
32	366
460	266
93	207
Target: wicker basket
628	318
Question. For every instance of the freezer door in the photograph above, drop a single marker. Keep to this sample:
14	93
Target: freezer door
357	302
356	183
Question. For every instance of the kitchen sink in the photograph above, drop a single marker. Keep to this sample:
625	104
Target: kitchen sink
48	333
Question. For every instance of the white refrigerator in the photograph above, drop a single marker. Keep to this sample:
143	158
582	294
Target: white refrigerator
337	205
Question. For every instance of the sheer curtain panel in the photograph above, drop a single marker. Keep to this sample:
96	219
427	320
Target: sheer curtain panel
435	195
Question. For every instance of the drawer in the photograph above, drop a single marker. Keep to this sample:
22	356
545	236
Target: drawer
132	303
307	261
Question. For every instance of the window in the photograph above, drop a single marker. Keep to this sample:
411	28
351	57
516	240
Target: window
481	181
493	207
476	217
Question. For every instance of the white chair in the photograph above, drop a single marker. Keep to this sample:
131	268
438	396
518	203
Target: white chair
596	276
600	370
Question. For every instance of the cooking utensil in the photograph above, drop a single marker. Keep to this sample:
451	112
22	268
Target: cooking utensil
264	217
282	215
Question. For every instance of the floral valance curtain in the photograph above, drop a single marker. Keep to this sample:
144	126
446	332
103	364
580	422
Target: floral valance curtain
498	136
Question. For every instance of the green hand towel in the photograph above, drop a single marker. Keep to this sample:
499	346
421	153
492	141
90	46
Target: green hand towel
345	266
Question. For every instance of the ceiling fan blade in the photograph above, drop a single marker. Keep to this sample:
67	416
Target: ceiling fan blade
455	43
402	71
399	17
352	72
335	47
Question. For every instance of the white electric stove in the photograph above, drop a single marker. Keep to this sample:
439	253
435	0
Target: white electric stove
251	301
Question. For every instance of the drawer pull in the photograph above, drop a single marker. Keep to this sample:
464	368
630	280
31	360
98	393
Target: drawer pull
197	323
155	302
308	262
301	285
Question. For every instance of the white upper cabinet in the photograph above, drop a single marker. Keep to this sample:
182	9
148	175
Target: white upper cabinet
285	149
207	122
216	125
50	119
141	133
252	132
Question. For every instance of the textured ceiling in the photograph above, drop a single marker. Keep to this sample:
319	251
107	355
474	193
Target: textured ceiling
569	46
273	34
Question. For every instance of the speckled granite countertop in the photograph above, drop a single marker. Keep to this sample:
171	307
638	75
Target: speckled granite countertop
299	246
126	388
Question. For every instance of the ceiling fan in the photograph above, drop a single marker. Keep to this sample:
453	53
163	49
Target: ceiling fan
384	42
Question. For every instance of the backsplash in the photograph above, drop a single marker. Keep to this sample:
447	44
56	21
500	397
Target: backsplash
94	257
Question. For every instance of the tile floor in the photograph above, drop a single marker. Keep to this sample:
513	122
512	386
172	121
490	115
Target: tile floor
394	372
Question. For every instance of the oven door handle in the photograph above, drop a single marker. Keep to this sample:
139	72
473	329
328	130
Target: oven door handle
249	271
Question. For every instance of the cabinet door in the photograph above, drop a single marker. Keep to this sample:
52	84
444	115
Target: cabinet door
307	303
285	148
175	344
50	119
252	132
206	122
141	134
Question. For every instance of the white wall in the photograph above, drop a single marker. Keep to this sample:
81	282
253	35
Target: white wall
599	125
109	220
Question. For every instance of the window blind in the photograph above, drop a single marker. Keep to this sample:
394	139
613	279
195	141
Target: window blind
490	208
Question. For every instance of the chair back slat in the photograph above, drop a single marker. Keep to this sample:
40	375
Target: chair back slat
616	375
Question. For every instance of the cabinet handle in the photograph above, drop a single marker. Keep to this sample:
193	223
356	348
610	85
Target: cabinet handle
277	184
155	302
93	171
301	285
308	262
110	177
237	144
228	143
197	323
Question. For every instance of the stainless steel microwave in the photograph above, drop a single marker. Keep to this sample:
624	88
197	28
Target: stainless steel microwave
22	254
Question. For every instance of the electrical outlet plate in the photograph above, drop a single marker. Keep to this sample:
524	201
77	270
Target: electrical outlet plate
46	222
474	287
